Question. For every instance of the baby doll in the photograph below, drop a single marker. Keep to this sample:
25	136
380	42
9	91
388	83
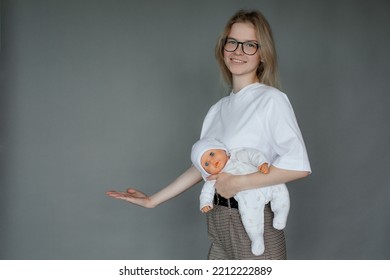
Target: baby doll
210	157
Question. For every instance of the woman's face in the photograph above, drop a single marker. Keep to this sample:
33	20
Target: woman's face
240	64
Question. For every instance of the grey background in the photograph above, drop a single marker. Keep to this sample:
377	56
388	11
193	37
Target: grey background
99	95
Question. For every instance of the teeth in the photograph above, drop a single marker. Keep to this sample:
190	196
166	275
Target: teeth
237	60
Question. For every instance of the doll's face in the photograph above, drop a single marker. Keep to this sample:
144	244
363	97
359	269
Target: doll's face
214	160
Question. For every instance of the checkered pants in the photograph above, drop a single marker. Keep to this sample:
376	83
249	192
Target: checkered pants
230	241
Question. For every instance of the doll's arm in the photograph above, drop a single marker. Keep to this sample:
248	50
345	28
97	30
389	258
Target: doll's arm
256	157
207	196
253	157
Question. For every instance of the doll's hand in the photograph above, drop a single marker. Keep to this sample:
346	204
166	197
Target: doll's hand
264	168
206	209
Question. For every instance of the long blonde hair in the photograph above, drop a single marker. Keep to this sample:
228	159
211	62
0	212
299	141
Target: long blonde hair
267	72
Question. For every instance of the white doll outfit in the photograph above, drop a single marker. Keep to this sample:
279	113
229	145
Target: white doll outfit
251	203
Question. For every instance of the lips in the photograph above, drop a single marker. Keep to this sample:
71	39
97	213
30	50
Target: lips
237	61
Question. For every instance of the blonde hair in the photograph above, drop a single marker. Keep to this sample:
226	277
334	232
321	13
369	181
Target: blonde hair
267	71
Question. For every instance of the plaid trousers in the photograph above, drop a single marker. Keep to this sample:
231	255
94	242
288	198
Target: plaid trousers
231	242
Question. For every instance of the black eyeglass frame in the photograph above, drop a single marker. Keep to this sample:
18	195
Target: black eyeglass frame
225	40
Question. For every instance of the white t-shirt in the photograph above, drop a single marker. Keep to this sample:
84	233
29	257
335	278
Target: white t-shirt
259	117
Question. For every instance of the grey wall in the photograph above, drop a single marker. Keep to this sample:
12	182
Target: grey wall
99	95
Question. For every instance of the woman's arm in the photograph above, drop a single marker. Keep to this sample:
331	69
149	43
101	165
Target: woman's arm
186	180
228	185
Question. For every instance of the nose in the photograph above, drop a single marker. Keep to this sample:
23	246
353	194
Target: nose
214	162
239	49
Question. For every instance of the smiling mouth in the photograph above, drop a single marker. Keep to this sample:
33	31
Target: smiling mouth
238	61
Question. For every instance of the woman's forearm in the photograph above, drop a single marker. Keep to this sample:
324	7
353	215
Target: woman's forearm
274	177
186	180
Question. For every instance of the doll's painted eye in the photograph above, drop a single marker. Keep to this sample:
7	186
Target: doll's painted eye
206	164
212	154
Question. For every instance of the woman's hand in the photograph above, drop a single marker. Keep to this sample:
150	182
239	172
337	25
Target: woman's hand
133	196
186	180
225	184
228	185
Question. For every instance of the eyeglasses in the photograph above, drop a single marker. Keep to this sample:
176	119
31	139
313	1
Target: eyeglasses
248	47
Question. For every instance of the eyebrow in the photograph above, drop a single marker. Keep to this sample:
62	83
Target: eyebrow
254	41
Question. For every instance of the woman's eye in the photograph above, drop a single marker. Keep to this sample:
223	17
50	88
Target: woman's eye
250	45
231	42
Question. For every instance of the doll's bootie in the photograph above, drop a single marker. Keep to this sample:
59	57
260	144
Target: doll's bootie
279	222
258	247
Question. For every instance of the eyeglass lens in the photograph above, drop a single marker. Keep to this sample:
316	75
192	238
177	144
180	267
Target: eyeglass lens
248	47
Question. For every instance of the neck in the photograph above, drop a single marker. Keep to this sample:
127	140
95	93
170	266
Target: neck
240	82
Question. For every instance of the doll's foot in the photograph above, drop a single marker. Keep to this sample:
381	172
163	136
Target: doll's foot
258	247
279	224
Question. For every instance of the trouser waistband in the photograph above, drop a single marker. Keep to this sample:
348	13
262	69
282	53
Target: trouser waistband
231	202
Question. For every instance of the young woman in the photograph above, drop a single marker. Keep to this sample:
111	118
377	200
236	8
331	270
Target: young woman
255	115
